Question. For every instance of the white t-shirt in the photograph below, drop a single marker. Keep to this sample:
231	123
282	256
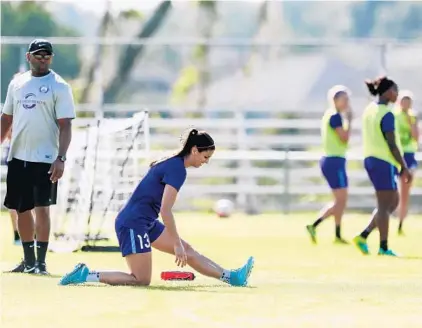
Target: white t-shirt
36	103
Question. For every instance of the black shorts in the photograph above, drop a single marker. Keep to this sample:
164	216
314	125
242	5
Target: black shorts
29	186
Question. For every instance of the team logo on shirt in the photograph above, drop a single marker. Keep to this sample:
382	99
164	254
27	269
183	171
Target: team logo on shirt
29	102
44	89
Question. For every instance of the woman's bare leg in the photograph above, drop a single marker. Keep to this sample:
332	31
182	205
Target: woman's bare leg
140	266
335	209
197	261
404	196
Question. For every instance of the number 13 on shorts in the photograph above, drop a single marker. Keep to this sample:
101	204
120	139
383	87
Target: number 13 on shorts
144	243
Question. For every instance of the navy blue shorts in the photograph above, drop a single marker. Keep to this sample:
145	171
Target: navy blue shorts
383	175
334	171
138	240
410	160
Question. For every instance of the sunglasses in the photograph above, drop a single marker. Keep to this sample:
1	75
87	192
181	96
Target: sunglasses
46	57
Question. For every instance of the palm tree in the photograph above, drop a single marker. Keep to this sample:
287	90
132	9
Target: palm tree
95	66
133	53
207	19
197	74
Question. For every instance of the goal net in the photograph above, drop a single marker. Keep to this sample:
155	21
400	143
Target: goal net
105	162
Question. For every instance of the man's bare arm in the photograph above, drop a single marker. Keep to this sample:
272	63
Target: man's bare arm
6	124
65	127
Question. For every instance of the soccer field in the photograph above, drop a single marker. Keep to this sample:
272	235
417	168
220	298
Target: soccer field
294	283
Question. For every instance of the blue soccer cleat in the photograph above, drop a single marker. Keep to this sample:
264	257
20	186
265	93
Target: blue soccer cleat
240	276
77	276
388	252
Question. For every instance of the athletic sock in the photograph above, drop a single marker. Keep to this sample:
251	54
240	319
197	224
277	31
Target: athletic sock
29	253
42	247
93	277
365	233
317	222
16	235
338	234
225	276
384	245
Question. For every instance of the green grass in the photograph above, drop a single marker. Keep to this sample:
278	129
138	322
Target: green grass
294	284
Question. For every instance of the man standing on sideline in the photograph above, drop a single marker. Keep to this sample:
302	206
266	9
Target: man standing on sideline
39	108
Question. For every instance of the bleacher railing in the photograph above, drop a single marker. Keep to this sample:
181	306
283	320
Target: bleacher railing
247	169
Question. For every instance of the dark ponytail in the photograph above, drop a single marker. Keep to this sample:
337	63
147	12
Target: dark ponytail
379	86
189	139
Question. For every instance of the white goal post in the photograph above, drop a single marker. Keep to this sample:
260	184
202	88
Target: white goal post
105	162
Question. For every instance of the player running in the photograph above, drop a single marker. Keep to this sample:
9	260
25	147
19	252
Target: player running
407	126
383	160
138	228
335	138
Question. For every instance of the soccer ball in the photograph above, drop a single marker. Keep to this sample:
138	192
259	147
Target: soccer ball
224	208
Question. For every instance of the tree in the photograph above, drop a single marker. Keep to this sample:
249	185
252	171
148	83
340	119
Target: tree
109	26
364	17
31	19
197	73
133	53
99	52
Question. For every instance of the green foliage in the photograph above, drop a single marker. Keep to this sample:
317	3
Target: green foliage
133	53
210	4
364	16
362	19
196	74
131	14
31	19
187	79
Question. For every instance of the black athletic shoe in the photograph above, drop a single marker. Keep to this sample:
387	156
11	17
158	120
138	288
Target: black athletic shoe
41	268
23	268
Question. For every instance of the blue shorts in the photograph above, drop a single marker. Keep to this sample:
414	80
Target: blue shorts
334	171
410	160
383	175
139	239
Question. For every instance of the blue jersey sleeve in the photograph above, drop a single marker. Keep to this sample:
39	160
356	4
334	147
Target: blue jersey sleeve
175	174
336	121
388	123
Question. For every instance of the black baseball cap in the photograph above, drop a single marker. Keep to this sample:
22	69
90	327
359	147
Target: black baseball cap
40	45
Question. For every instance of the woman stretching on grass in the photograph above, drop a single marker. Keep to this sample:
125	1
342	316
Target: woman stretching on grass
138	228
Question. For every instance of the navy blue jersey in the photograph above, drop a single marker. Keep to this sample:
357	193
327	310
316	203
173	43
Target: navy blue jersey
144	205
336	121
388	123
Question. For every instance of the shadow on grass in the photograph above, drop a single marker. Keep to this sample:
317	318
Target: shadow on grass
174	287
55	276
195	288
181	288
21	274
410	257
153	288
